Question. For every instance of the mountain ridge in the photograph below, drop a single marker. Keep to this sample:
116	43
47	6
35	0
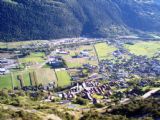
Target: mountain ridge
49	19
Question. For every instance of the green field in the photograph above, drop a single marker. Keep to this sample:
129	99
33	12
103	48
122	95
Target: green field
63	78
5	81
25	77
104	50
98	97
43	76
33	58
144	48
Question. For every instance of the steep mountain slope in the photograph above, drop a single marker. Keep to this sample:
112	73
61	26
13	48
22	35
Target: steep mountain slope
141	14
48	19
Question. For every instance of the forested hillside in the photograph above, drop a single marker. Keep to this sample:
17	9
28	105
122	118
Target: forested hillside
48	19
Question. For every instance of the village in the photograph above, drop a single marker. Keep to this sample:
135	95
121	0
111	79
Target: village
117	76
96	70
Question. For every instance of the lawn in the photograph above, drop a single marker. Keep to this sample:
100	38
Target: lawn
104	50
63	78
33	58
5	81
144	48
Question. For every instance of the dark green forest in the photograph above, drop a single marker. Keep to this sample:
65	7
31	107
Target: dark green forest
48	19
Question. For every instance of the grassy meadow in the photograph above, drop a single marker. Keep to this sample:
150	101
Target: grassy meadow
63	78
144	48
104	50
33	58
5	81
43	76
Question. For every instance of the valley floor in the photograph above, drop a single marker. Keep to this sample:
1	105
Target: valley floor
80	79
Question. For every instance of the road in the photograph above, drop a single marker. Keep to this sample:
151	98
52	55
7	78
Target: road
148	94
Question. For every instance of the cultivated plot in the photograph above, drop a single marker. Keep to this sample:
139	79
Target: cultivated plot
104	51
144	48
76	59
33	58
63	78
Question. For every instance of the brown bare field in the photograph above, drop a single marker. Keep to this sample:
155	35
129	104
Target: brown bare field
45	76
6	55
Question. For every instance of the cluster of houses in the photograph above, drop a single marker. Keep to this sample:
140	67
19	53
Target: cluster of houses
55	62
6	65
90	68
141	66
3	71
86	89
35	46
136	65
47	87
61	51
72	41
116	72
82	54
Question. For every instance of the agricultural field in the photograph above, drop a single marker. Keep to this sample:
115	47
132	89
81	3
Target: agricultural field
63	78
33	58
7	55
29	77
104	50
45	76
144	48
25	78
5	81
78	62
9	80
74	62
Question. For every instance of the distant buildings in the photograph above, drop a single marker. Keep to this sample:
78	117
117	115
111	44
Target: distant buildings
84	54
6	65
60	51
3	71
56	62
